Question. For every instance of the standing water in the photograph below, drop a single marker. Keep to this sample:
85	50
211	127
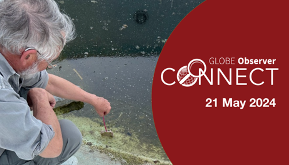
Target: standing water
114	56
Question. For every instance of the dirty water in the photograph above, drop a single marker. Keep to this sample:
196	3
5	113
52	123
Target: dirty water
114	56
126	83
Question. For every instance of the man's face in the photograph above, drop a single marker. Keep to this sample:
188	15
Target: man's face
30	72
36	67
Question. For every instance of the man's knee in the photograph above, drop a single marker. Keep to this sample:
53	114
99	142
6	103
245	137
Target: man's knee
72	140
70	134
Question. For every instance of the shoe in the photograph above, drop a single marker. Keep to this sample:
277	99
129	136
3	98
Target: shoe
71	161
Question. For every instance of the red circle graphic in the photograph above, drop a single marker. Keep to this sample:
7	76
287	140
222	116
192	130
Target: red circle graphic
237	113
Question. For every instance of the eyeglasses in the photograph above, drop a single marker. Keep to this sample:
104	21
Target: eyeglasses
49	63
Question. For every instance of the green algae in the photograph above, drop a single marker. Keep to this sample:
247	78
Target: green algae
126	158
127	149
69	107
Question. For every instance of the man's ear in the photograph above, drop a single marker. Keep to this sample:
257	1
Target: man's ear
28	57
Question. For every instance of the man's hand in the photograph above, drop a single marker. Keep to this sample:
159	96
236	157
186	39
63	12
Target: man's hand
51	99
101	105
35	93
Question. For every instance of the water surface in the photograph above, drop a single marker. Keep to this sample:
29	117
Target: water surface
115	58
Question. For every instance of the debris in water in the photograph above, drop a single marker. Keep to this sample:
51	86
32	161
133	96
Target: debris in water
89	143
123	27
77	74
164	40
69	107
156	161
129	134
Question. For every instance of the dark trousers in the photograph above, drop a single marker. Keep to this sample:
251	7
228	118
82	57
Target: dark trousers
72	140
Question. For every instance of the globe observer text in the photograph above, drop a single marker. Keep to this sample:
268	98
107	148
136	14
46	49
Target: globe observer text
241	61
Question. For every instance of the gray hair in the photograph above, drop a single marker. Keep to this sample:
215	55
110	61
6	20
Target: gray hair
34	23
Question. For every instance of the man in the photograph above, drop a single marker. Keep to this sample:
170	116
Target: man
32	35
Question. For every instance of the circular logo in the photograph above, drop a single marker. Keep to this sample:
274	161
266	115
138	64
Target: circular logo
185	76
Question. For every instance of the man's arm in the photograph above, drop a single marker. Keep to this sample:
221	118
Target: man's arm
42	110
65	89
